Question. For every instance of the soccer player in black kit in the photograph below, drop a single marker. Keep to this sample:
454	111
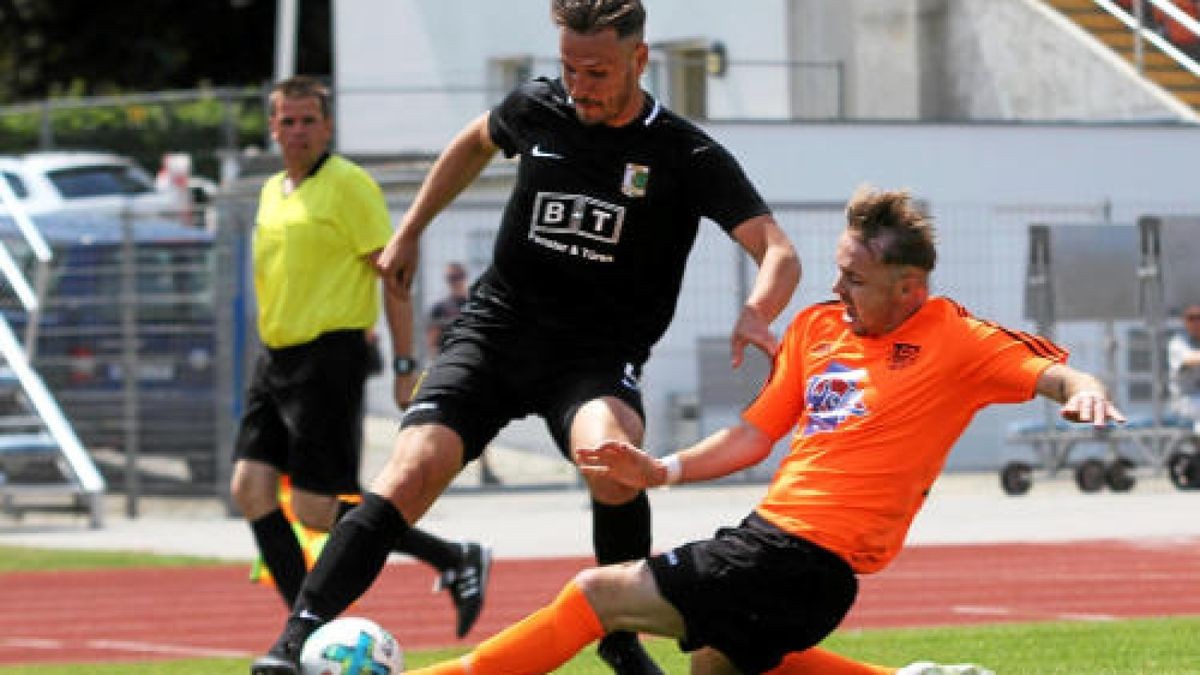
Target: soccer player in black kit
589	259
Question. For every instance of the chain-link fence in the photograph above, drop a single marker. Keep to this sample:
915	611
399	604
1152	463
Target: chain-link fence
688	386
202	123
172	303
132	341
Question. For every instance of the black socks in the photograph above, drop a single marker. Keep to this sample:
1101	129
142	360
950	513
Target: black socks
419	544
427	548
281	552
621	533
355	554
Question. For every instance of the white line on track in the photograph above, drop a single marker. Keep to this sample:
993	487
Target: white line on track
31	643
1085	617
981	610
125	646
155	648
992	610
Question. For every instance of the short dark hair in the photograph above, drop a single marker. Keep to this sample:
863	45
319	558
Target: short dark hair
888	217
300	86
627	17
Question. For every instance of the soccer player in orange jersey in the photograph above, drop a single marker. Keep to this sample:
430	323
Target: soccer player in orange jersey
875	387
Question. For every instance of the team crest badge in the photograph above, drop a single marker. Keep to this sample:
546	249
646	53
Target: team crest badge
635	180
903	355
834	396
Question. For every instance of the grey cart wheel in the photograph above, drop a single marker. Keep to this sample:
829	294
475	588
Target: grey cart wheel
1181	467
1119	475
1016	478
1090	475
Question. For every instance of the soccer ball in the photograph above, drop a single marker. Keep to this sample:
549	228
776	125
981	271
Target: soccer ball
351	646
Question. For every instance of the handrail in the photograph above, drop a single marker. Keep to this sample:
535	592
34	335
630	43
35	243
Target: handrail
1179	15
1144	33
37	244
30	297
60	429
80	464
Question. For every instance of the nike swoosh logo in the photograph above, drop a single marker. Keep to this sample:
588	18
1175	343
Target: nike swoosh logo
538	152
699	149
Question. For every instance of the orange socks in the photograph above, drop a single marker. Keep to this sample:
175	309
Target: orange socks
538	644
551	636
817	661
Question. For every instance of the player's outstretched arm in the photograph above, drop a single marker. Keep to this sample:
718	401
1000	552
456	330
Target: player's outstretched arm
455	168
1084	397
778	276
729	450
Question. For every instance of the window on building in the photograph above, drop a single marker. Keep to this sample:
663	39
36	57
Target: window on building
685	69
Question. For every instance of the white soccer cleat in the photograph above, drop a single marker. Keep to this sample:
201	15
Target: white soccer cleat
931	668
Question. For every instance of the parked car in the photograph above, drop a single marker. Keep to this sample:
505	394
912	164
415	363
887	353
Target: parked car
92	182
86	336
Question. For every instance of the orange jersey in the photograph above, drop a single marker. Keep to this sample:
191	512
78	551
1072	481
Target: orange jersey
875	417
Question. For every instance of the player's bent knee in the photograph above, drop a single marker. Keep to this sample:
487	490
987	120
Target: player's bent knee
254	493
316	512
608	491
597	586
626	597
611	582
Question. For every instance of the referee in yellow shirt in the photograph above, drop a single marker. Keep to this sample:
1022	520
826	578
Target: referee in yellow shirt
321	224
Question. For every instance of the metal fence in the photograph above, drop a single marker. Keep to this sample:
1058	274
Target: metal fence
212	124
688	387
208	124
172	303
132	340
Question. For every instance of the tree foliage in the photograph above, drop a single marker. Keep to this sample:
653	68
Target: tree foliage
51	48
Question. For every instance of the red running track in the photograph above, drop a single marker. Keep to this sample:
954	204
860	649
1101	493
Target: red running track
139	615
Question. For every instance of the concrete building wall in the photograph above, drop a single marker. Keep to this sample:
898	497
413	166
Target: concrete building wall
970	60
1019	59
409	73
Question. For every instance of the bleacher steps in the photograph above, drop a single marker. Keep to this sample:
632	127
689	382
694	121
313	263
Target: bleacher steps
1156	66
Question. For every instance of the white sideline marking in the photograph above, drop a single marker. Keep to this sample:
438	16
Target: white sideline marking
981	610
125	646
156	648
986	610
32	643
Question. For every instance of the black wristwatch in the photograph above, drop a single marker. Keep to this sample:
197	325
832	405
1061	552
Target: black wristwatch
404	365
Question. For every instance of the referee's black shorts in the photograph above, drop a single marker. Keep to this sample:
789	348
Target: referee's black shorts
482	380
755	593
304	411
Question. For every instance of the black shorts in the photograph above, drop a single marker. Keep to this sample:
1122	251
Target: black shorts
304	412
755	593
480	382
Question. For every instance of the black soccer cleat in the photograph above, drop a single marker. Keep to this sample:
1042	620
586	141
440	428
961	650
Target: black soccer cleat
624	653
284	656
273	665
467	584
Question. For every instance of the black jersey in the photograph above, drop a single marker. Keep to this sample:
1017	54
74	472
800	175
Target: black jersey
597	231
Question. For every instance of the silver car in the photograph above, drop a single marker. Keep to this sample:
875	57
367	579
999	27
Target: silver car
94	182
